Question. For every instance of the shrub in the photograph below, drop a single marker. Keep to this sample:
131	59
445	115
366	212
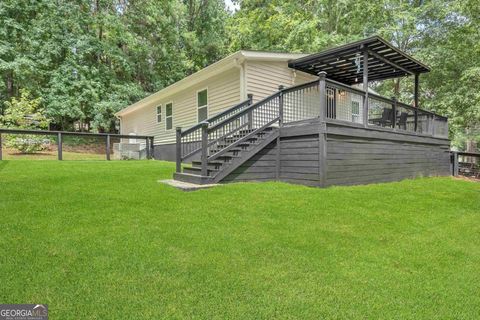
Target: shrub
25	113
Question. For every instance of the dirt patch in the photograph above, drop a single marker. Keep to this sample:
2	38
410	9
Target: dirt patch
467	178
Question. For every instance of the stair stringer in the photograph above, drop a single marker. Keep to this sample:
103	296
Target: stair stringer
246	155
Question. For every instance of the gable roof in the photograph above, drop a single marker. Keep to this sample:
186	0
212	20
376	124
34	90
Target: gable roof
232	61
345	63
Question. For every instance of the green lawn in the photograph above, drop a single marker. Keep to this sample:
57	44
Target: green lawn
105	240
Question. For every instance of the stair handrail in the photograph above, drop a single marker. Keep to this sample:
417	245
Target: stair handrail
188	142
208	126
219	115
244	111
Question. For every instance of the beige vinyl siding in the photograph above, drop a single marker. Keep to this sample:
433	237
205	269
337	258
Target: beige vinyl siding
223	92
264	77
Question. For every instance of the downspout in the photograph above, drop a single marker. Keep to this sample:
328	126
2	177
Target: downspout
240	64
120	127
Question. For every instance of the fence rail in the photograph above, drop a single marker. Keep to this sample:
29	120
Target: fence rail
59	137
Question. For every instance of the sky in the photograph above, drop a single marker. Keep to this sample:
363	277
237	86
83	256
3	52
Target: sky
231	6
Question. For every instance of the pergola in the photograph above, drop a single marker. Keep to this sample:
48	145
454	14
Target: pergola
362	61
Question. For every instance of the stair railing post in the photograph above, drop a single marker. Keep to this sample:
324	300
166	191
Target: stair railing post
280	105
394	111
178	151
250	115
152	149
204	156
59	146
147	147
107	147
323	97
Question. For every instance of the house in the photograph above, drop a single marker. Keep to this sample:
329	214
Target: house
206	93
307	119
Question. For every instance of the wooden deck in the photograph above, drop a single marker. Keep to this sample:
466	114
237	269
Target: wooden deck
325	132
349	154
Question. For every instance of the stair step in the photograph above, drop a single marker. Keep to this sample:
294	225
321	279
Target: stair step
211	164
233	150
227	157
192	178
198	171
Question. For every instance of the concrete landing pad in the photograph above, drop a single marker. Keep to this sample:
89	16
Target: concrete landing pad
185	186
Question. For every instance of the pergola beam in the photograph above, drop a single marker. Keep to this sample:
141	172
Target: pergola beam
390	62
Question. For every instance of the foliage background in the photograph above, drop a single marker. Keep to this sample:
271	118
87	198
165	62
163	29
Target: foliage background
87	59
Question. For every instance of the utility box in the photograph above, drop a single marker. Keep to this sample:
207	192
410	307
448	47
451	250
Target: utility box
129	151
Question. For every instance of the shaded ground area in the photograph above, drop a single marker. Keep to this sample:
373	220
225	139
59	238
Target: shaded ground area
105	240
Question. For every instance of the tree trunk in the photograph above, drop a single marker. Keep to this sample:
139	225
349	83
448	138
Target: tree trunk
396	87
9	84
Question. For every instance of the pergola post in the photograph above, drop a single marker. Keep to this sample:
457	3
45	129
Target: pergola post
365	86
416	99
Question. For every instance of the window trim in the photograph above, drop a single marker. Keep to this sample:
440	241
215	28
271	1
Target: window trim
161	112
205	106
166	116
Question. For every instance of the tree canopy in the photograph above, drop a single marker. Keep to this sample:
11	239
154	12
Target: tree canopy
87	59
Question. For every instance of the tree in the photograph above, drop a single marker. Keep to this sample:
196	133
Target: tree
88	59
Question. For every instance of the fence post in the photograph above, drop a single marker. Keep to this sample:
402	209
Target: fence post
59	146
204	148
323	98
178	152
455	164
250	115
107	149
1	155
394	111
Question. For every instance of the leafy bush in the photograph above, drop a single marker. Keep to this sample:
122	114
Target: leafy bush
25	113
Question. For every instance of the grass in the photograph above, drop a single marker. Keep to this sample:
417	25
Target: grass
104	240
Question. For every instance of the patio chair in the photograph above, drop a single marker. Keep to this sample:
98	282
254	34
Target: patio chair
387	117
402	121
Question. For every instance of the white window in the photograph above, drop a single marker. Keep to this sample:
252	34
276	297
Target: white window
202	103
159	113
169	116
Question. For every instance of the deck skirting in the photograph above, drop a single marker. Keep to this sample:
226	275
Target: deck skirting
313	154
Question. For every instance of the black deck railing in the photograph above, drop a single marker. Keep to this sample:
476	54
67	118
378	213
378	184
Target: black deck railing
324	98
60	134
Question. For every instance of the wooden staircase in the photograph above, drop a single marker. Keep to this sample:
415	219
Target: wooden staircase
216	147
229	155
